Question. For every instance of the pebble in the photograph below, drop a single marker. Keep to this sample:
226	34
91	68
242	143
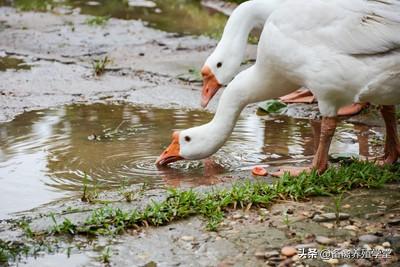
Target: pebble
368	239
237	216
270	254
328	225
328	217
324	240
187	238
351	227
394	221
259	254
386	244
346	206
289	251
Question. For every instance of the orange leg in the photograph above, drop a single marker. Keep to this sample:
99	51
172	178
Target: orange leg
392	143
320	162
328	127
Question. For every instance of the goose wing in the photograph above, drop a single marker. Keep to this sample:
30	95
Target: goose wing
356	27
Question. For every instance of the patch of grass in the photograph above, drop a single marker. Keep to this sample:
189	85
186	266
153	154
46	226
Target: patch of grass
89	193
337	201
128	195
213	205
106	255
34	5
11	251
97	20
99	66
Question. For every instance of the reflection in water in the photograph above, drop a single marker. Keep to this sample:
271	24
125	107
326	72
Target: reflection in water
12	63
45	155
184	16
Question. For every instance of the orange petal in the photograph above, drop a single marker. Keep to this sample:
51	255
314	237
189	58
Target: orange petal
259	171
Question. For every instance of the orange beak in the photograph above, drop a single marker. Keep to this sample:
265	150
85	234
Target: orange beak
210	86
171	154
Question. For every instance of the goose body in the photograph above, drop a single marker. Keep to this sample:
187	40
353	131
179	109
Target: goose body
346	51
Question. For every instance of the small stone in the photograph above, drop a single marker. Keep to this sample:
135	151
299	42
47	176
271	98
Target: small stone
328	225
270	254
386	244
393	222
187	238
237	216
351	227
324	240
289	251
346	206
374	215
259	254
296	258
332	261
368	239
328	217
379	248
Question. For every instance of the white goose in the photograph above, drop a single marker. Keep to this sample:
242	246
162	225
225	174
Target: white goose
224	63
346	51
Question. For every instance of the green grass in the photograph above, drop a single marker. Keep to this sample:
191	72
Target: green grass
212	206
99	66
97	20
34	5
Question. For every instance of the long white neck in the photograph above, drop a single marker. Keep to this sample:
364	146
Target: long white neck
252	85
243	19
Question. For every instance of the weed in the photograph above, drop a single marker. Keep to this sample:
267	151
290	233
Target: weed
27	229
97	20
99	66
34	5
337	201
89	194
128	195
106	255
286	221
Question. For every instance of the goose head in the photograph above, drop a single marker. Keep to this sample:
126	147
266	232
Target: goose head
219	69
189	144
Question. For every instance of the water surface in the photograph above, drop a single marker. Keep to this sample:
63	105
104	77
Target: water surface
46	155
183	16
12	63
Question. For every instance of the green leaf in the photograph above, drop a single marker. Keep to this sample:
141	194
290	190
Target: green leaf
272	106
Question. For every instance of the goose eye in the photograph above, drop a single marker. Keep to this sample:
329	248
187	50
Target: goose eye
187	139
219	64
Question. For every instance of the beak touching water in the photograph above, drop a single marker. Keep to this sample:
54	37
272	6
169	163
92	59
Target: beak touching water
171	154
210	86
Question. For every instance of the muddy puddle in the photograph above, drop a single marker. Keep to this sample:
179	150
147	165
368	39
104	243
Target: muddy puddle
50	154
12	63
183	17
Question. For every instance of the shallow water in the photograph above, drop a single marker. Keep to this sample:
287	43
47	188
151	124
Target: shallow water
46	155
184	16
12	63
